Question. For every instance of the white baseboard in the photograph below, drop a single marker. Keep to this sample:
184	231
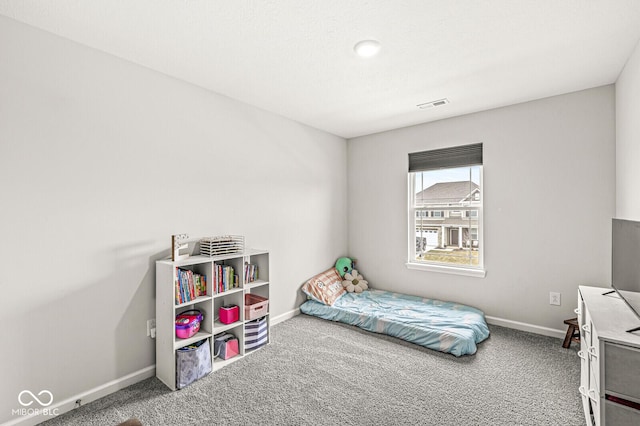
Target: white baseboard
523	326
285	316
86	397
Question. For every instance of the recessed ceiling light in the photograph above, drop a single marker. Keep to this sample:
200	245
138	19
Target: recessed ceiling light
367	48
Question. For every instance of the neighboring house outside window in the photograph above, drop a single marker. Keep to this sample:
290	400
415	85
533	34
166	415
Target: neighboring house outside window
445	212
474	234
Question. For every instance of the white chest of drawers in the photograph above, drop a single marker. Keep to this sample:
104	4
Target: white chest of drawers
609	357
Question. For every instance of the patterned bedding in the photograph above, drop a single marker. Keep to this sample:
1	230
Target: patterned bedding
443	326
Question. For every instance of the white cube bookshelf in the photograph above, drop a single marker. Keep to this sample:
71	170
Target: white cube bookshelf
166	308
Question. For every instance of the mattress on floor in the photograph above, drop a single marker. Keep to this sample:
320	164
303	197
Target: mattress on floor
443	326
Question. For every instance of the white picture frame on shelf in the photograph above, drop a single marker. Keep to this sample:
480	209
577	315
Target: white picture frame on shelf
179	247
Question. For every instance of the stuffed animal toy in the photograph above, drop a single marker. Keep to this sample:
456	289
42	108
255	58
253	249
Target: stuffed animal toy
344	265
354	282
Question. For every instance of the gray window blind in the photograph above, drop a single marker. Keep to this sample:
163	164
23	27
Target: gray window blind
457	156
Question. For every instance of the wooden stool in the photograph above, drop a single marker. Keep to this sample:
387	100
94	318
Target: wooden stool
573	333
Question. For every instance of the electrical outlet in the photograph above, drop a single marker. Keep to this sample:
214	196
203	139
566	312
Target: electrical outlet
151	324
554	298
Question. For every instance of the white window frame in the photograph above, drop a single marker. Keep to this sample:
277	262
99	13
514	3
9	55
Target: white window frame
465	270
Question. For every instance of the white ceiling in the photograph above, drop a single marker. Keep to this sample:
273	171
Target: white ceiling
295	57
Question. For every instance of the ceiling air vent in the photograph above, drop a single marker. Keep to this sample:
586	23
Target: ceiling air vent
432	104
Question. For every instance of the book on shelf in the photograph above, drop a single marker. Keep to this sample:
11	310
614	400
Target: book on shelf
225	278
250	272
189	285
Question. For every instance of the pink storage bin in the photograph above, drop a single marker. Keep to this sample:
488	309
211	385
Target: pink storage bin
229	314
188	323
255	306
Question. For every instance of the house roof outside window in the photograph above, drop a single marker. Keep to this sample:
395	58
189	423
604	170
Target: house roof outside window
448	193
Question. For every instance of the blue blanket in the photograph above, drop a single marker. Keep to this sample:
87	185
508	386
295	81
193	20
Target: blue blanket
443	326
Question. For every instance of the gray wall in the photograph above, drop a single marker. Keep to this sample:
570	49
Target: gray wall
549	195
100	162
628	139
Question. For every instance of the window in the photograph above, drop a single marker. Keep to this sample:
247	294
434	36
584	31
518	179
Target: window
448	183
